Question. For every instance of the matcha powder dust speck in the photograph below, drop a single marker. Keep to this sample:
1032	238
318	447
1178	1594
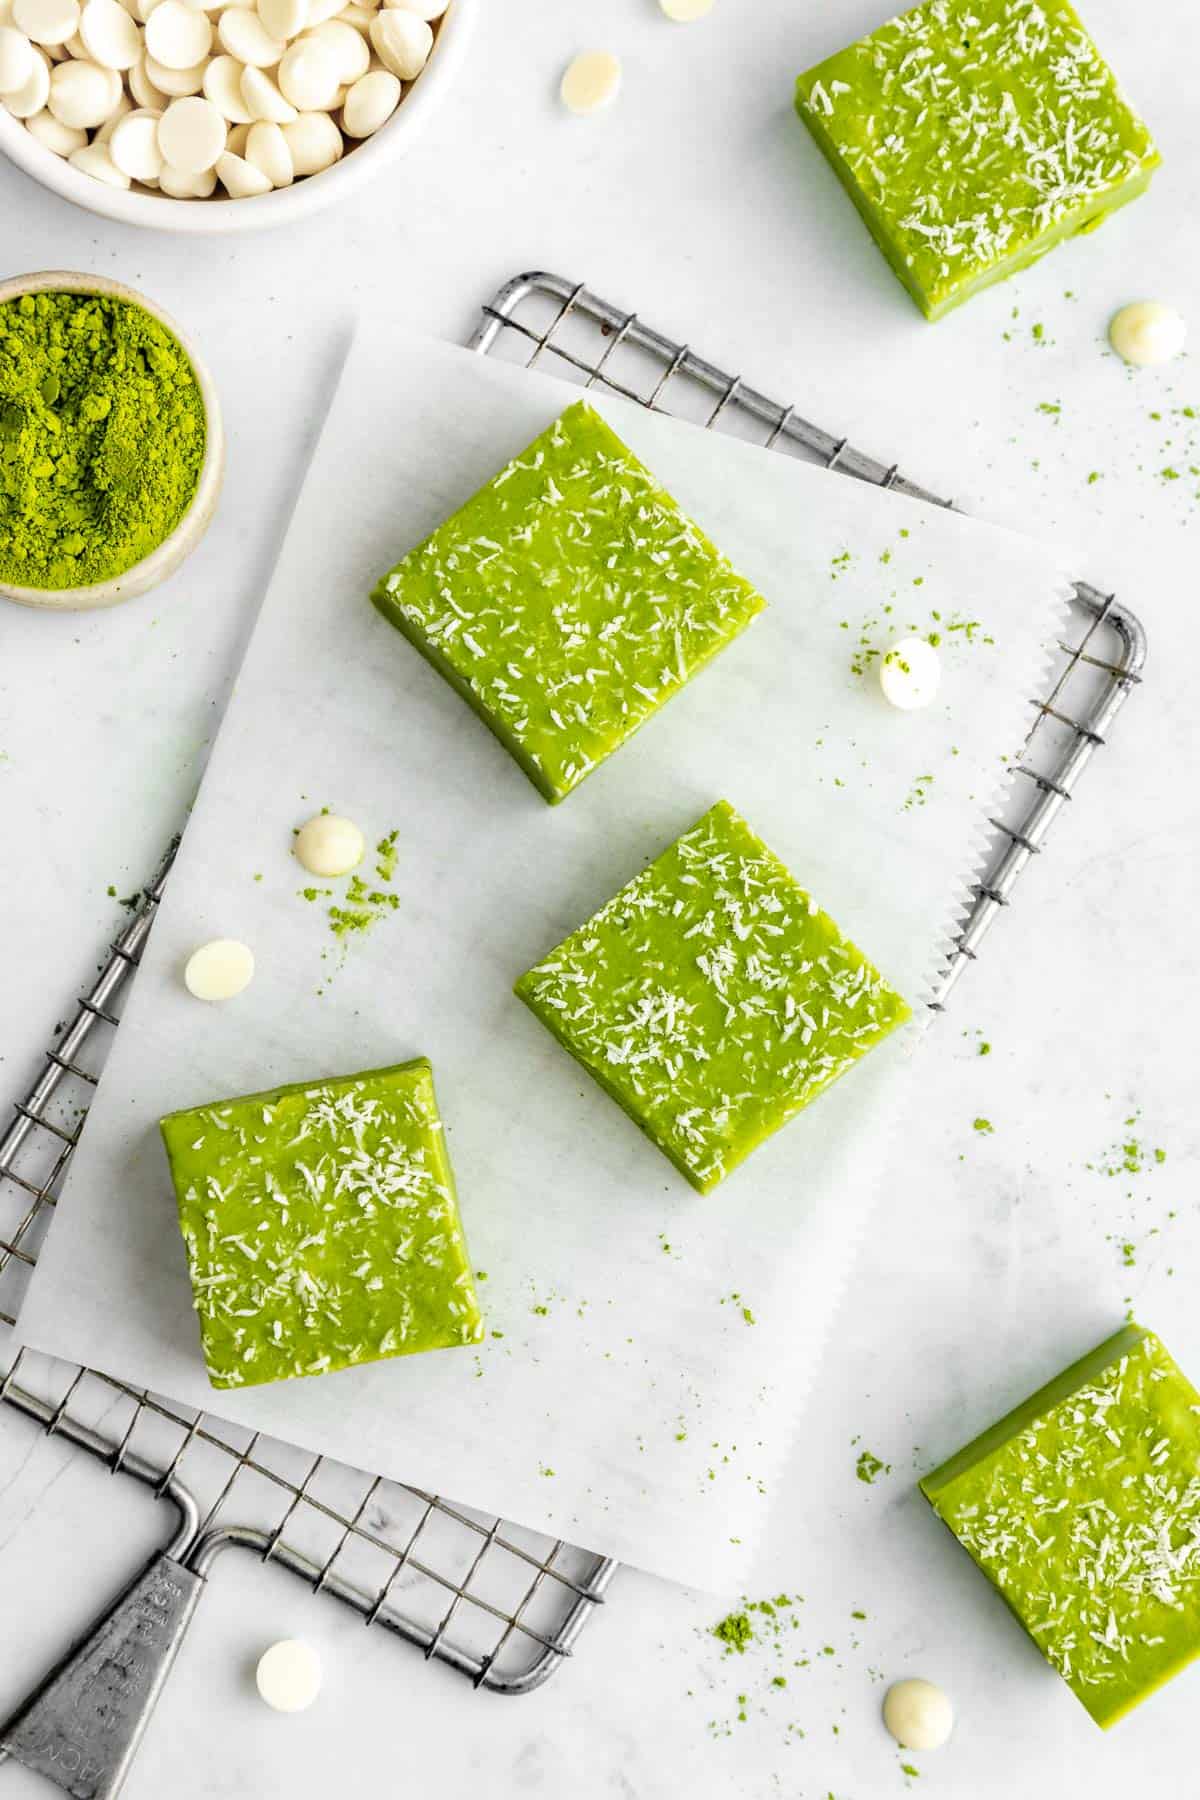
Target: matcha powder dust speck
102	435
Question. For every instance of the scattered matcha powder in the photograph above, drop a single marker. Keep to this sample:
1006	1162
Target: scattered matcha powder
869	1467
1130	1157
983	1126
385	856
919	792
734	1631
360	905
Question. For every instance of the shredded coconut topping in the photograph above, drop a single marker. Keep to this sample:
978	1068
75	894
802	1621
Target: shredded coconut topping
973	130
568	599
1088	1521
712	997
338	1240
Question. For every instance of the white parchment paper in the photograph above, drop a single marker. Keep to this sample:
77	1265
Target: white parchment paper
643	1387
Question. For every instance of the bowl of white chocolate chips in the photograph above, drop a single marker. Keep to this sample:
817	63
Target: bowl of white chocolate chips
166	112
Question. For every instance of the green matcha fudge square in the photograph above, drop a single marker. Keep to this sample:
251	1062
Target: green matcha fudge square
1082	1506
972	136
321	1226
568	600
712	998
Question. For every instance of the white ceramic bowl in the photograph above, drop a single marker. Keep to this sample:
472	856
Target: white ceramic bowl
286	205
195	522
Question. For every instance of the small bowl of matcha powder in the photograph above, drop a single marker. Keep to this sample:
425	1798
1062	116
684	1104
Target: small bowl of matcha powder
111	450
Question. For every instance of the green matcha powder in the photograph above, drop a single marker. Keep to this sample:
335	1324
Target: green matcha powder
102	436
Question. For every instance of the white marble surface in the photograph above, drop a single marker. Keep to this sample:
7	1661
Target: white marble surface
995	1258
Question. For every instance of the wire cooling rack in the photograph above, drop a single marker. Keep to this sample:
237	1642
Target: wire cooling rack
562	328
502	1605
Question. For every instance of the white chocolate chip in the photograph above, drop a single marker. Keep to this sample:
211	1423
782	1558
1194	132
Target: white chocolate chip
263	99
181	186
46	21
918	1715
424	9
240	179
283	19
244	35
314	141
349	49
909	673
402	42
359	17
83	95
142	89
133	146
62	139
329	845
1147	333
308	75
288	1675
176	84
320	10
237	139
223	86
177	36
590	82
123	107
267	151
683	12
16	59
191	134
31	97
94	160
370	103
219	970
109	35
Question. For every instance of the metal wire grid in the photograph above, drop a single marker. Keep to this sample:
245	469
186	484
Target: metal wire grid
562	328
502	1605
